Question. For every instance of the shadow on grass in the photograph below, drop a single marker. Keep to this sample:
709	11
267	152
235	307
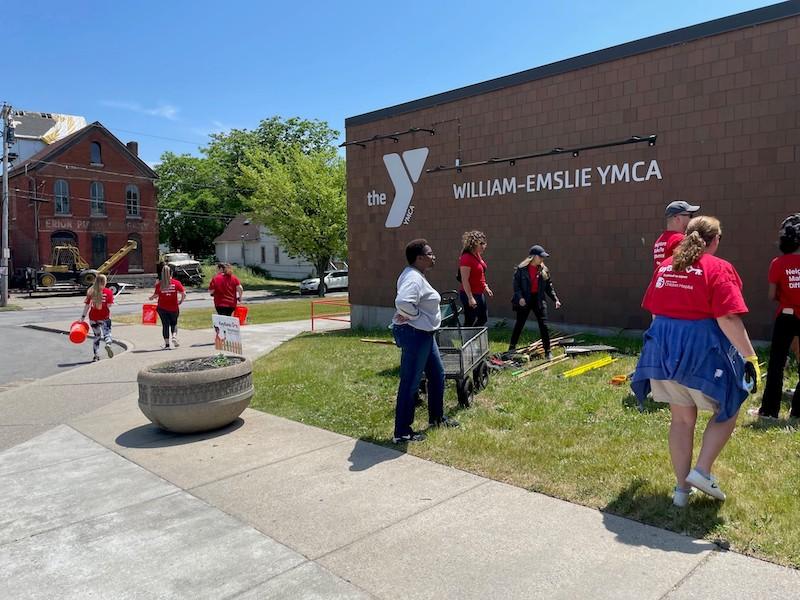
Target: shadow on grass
368	452
150	436
650	406
634	503
764	424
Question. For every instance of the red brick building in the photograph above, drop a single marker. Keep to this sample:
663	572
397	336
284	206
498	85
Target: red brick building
87	189
723	99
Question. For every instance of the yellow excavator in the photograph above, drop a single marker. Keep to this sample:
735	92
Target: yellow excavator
68	266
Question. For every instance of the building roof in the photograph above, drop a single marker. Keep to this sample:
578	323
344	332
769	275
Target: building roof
750	18
241	225
34	125
48	154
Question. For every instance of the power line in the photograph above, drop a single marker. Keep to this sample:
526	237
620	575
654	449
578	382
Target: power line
159	137
189	213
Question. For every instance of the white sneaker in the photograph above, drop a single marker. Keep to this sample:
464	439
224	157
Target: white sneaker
175	343
707	485
680	498
166	346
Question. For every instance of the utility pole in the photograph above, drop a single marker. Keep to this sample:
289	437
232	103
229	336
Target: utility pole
5	252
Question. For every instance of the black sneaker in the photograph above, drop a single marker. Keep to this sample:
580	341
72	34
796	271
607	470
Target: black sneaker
95	358
445	422
414	436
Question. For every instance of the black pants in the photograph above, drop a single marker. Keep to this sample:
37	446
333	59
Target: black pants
522	317
225	310
786	328
169	322
475	317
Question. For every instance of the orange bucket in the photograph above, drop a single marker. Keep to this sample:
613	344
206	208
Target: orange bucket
78	332
240	312
149	314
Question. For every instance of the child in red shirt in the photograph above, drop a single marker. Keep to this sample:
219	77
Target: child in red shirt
98	300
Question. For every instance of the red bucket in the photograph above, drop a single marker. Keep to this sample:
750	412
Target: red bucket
240	312
149	314
78	332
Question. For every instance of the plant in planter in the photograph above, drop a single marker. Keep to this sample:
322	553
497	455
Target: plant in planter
196	394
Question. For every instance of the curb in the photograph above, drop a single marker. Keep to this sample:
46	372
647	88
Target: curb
123	343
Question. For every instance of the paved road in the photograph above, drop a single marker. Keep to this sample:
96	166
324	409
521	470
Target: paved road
29	354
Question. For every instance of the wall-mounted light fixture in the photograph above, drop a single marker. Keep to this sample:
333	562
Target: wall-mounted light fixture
395	137
512	160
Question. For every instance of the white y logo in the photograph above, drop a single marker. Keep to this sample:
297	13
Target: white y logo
403	171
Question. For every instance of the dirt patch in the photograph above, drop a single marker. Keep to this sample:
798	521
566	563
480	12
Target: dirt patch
206	363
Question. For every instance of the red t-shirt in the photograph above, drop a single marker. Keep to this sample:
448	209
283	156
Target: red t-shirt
664	246
168	298
533	271
102	313
224	289
784	272
477	272
710	288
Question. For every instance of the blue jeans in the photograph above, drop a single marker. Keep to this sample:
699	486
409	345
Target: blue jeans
419	353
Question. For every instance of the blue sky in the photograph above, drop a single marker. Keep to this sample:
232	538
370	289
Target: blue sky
179	69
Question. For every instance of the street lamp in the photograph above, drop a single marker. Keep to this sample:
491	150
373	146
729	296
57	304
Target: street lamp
244	259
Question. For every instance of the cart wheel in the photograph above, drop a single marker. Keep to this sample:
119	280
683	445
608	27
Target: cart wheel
464	391
481	376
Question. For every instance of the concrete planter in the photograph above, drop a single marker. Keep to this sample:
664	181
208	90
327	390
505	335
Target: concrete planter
190	401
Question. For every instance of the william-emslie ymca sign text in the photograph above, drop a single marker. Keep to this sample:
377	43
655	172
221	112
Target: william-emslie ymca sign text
639	171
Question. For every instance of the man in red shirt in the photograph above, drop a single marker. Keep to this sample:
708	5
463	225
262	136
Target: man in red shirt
678	214
226	289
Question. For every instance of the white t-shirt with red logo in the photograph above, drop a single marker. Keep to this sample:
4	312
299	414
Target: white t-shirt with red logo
708	289
665	245
784	272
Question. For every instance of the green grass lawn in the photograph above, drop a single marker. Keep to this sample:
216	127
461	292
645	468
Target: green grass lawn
266	312
251	281
580	439
10	307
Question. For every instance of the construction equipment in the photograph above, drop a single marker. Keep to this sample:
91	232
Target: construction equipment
68	267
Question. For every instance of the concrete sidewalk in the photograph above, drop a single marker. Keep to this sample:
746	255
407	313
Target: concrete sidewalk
96	502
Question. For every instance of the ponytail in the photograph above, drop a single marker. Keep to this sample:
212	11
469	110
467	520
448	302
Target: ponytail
700	232
166	277
96	291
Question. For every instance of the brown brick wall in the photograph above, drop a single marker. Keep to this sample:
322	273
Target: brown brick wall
725	109
116	173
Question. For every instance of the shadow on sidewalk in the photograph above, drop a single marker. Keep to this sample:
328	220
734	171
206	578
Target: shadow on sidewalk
369	452
150	436
656	509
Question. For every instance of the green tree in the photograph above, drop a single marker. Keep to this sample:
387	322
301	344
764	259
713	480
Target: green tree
300	196
192	211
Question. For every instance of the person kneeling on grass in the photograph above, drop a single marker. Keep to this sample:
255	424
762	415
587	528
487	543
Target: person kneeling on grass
693	352
414	327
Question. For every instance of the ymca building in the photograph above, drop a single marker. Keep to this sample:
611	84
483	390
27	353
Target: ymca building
582	156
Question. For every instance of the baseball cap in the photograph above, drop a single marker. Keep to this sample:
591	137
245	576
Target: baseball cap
679	206
537	250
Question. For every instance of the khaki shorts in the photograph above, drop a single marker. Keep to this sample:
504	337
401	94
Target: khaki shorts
673	392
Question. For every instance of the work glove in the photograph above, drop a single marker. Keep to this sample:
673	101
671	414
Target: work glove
752	373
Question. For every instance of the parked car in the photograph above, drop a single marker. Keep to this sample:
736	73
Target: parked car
334	280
